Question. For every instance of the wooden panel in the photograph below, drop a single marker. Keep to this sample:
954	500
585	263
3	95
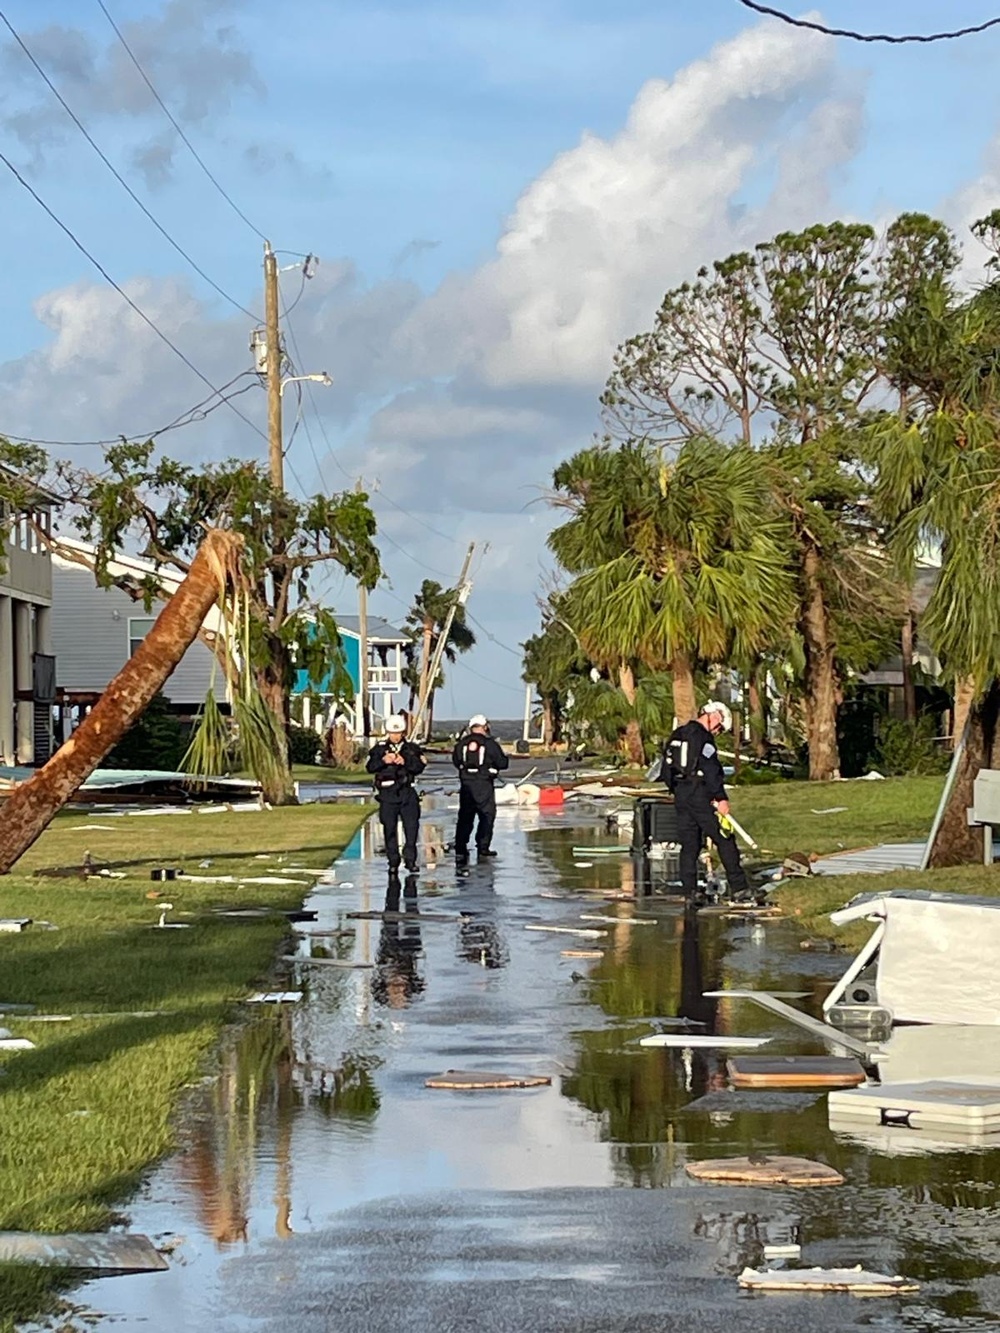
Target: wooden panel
794	1071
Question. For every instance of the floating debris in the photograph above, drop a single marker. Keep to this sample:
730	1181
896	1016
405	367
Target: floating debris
467	1080
763	1170
857	1281
795	1071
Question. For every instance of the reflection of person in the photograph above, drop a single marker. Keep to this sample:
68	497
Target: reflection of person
397	978
478	758
395	762
693	773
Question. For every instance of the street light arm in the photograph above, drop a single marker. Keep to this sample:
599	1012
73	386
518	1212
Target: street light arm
321	378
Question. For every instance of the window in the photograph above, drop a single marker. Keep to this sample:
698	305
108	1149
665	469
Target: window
138	628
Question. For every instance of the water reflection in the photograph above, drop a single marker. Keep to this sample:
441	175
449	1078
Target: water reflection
218	1164
397	980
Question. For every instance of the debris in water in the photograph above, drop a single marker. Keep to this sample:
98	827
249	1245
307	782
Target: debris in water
459	1079
855	1280
795	1071
764	1171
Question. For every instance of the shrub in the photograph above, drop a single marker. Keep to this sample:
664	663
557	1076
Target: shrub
154	740
908	748
751	776
303	745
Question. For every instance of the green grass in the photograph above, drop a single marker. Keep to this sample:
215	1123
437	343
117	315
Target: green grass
85	1115
781	819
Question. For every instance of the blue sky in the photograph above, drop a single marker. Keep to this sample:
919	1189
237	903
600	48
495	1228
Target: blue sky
498	194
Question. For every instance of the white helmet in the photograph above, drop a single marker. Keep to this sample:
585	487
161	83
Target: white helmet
478	720
714	706
395	723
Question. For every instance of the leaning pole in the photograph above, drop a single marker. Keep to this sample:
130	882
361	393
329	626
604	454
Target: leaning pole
31	807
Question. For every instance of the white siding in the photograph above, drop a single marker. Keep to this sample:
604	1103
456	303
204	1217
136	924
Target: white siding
91	645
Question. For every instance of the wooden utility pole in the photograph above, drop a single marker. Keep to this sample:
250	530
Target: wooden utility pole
366	726
276	446
461	594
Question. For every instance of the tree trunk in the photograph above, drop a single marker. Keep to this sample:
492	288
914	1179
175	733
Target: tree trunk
965	693
685	700
737	742
758	717
548	720
956	843
821	675
278	789
635	751
31	807
429	713
906	655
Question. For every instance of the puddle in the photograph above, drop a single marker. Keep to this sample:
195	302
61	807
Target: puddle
319	1113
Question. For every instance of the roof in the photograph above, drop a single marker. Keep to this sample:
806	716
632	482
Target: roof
70	552
379	630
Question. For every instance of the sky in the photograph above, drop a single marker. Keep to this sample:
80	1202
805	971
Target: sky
498	195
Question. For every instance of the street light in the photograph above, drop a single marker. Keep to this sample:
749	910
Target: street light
321	378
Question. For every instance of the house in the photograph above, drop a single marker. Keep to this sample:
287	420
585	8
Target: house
386	646
96	630
27	664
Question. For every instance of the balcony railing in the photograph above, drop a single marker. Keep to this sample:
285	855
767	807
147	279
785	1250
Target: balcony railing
384	678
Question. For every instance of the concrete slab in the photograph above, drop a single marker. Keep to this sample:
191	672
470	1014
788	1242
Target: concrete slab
103	1254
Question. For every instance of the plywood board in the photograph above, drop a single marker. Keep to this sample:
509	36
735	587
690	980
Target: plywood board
797	1171
795	1071
470	1080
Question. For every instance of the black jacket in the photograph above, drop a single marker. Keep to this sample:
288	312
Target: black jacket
390	778
690	756
478	757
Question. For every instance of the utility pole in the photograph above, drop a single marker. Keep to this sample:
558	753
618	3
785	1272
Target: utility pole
276	445
363	649
461	597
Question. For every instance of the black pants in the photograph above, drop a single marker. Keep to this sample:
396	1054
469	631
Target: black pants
393	806
696	821
475	798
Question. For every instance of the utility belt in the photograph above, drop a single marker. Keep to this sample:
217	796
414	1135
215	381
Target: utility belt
477	774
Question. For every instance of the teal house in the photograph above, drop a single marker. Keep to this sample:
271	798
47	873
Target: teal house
386	646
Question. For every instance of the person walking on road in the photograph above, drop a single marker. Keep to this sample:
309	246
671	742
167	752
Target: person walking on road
693	773
394	763
478	758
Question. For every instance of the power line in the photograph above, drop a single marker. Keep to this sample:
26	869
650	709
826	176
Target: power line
867	36
117	174
194	414
170	116
514	689
123	294
492	637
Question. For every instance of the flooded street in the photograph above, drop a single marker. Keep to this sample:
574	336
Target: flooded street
320	1184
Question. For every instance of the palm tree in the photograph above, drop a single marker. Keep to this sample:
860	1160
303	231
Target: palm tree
425	622
676	565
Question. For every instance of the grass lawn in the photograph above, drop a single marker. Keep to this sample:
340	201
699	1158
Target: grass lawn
782	819
83	1116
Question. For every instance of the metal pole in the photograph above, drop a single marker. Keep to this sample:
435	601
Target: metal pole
276	449
363	651
461	595
528	690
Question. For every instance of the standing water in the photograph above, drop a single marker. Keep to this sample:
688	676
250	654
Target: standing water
321	1185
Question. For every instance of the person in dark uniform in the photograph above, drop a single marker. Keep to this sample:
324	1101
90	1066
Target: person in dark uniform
693	774
478	758
395	762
